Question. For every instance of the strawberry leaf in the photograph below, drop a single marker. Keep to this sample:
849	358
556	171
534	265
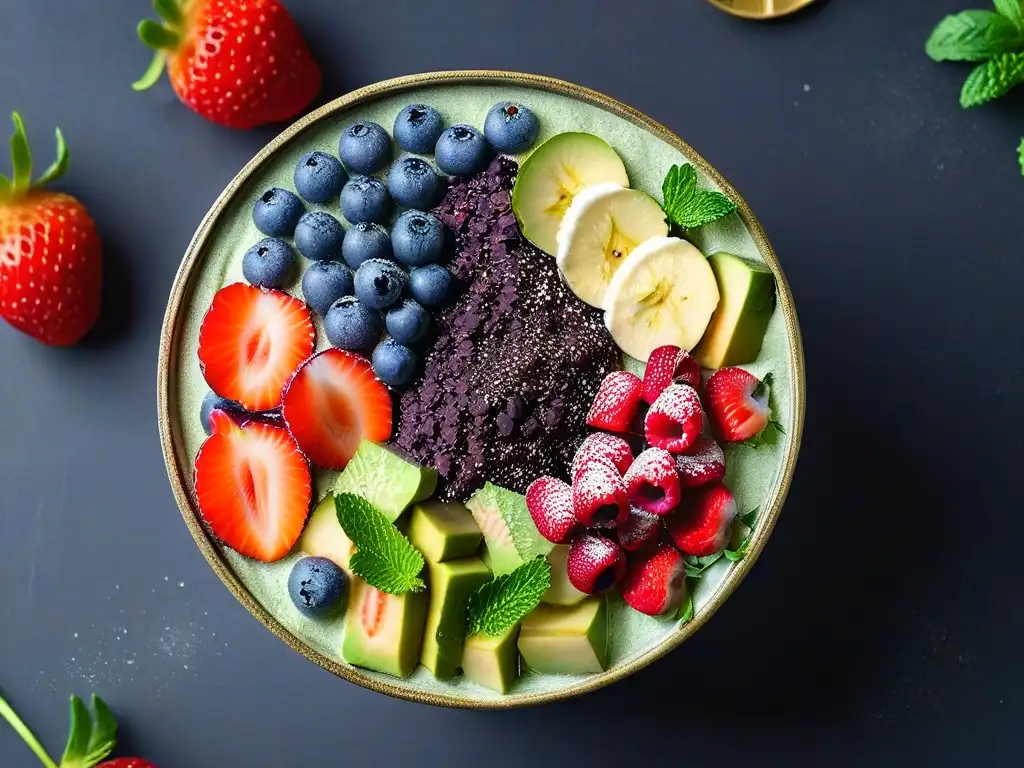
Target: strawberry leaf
686	609
103	739
168	10
60	165
21	157
78	738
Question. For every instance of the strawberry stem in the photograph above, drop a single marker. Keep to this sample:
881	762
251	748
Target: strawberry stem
21	161
152	74
27	736
168	10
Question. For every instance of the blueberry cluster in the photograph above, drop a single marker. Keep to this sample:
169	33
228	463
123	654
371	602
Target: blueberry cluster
374	288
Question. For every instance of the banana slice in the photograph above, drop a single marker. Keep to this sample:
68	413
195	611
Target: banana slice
665	293
550	178
601	228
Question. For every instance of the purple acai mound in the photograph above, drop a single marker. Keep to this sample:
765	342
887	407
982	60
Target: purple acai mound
517	359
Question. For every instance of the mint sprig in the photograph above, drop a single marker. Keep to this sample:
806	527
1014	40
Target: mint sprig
503	602
91	738
748	519
384	558
996	40
688	205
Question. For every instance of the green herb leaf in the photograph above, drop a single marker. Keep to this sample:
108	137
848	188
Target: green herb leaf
385	559
8	714
686	609
696	566
104	731
973	36
734	555
689	206
992	80
749	518
1020	155
501	603
1012	10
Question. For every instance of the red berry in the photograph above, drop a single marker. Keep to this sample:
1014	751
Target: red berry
51	265
549	501
655	581
126	762
703	522
738	404
603	447
599	497
675	419
639	530
617	402
594	564
250	343
238	64
333	401
669	365
652	482
253	486
703	463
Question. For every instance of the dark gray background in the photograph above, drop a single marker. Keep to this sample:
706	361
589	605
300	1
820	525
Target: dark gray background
882	623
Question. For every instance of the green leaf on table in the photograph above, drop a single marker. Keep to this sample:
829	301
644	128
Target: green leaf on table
384	558
973	36
992	80
688	205
1012	10
503	602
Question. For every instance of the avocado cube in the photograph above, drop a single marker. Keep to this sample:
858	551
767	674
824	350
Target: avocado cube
324	536
492	662
383	632
736	331
509	532
443	531
385	479
451	584
569	640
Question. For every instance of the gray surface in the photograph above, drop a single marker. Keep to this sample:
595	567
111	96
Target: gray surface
883	620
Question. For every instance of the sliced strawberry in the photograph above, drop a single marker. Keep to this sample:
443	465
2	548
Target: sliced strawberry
669	365
617	402
253	486
675	419
703	463
250	343
738	404
549	502
332	402
655	581
702	524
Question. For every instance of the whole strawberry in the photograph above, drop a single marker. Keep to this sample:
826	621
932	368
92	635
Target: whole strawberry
92	737
237	63
51	267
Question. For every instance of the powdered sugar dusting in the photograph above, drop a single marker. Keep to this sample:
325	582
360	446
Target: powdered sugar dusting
652	482
703	463
597	493
590	557
602	446
549	501
616	402
640	528
675	419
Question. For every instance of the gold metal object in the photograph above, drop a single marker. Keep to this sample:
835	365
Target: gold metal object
760	9
179	464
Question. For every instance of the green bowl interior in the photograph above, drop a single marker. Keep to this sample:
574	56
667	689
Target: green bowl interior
753	476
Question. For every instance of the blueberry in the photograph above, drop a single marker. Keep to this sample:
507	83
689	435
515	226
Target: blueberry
413	183
319	177
366	241
365	198
319	236
462	151
316	586
270	263
408	322
365	147
212	401
393	363
324	283
430	285
277	212
379	283
352	325
417	128
511	128
417	238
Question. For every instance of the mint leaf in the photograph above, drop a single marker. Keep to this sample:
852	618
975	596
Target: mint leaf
686	609
992	80
1012	10
749	518
385	559
689	206
734	555
973	36
696	566
1020	155
500	604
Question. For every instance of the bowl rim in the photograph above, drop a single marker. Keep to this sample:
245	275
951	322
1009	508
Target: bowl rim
180	472
743	14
